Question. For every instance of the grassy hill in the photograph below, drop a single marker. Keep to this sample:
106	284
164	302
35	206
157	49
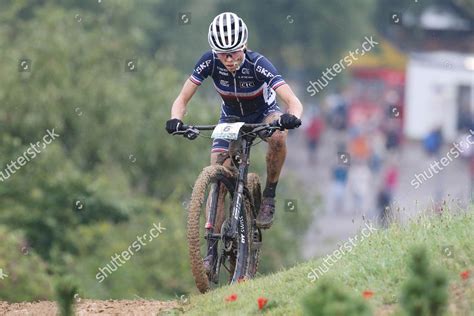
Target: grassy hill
376	264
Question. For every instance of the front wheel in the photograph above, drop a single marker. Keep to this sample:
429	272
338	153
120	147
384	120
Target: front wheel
213	194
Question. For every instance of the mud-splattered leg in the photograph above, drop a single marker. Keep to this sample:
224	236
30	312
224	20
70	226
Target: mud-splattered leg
276	155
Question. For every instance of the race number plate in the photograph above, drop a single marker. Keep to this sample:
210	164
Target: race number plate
227	130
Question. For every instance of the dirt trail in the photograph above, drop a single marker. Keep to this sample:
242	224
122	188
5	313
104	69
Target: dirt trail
91	307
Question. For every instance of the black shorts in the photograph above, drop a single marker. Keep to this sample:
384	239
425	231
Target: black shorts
219	145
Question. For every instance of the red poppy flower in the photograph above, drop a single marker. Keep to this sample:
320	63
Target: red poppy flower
262	301
367	294
465	274
231	298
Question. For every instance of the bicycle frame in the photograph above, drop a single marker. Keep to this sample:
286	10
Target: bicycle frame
243	160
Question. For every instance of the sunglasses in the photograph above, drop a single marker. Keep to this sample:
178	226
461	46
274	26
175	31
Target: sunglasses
233	54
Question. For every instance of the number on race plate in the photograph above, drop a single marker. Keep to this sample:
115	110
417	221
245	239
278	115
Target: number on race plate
227	130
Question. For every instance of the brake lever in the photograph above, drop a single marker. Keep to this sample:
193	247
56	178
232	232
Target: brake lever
188	132
265	132
191	133
276	123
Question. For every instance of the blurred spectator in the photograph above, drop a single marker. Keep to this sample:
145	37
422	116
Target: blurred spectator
393	135
337	111
359	147
385	195
360	186
313	135
433	141
392	104
392	125
377	141
432	144
337	189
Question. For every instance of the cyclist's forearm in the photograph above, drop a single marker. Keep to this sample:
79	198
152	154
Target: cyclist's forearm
292	102
295	107
178	109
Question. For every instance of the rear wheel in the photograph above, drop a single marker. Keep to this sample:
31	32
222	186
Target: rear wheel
213	192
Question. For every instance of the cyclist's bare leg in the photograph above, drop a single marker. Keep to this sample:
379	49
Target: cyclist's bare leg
276	152
219	158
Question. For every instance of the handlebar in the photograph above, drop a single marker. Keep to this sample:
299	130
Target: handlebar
191	132
246	126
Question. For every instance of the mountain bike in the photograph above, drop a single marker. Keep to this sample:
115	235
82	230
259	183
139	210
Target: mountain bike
227	199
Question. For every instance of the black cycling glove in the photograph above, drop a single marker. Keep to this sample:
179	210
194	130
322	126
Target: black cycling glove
173	125
289	121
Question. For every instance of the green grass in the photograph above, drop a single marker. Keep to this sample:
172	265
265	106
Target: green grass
378	264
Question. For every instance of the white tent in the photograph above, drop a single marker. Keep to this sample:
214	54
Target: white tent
438	85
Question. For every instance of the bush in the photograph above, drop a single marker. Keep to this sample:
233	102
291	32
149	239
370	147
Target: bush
425	292
65	292
26	278
330	299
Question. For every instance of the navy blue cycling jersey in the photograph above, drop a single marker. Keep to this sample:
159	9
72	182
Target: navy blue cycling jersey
250	89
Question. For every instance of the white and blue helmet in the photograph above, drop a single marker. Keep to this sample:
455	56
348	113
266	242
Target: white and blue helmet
227	33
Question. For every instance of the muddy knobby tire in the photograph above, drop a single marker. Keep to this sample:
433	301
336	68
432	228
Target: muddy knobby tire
209	175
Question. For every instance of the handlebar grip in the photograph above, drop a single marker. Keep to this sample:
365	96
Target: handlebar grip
275	123
299	123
